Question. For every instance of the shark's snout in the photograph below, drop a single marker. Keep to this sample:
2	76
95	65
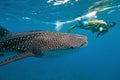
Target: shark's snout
79	41
84	44
83	40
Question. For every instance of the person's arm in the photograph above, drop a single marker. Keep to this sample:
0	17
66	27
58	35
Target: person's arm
71	28
99	33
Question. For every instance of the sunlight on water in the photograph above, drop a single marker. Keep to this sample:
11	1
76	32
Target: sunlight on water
57	2
60	2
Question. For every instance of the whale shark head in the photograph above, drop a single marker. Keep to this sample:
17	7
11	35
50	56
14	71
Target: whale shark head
48	41
75	40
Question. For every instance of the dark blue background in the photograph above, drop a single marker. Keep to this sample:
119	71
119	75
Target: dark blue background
100	60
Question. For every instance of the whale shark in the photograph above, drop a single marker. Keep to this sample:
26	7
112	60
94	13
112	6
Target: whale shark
36	43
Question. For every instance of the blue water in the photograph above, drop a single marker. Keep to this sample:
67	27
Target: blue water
100	60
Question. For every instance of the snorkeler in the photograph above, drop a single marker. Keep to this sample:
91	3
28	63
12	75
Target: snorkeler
99	26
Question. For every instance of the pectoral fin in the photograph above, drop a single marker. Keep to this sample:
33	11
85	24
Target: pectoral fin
14	58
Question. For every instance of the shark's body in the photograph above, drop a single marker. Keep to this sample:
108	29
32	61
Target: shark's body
36	43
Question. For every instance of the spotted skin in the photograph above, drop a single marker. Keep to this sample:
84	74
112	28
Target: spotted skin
37	43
